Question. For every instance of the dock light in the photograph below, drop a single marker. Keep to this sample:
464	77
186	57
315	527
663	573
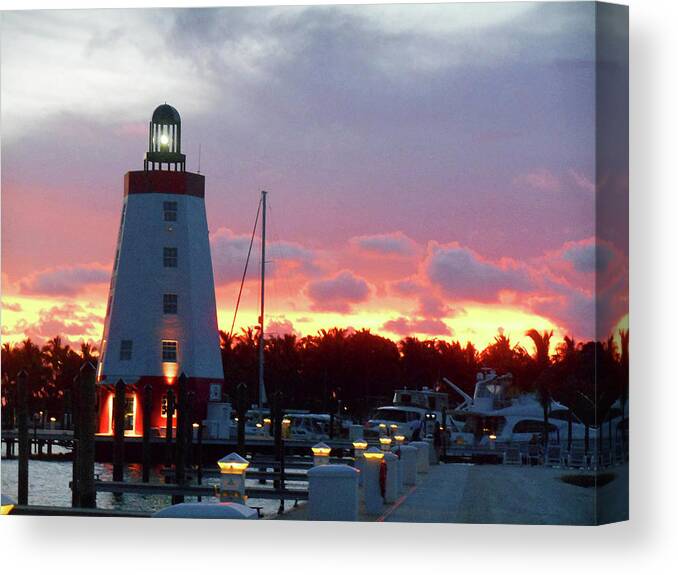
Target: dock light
267	420
233	470
359	445
52	422
399	439
493	438
373	454
385	443
7	505
286	422
321	453
259	425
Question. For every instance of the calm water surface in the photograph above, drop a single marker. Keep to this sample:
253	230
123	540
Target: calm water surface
48	485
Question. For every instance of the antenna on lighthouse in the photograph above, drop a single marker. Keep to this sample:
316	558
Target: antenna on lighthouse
199	154
262	389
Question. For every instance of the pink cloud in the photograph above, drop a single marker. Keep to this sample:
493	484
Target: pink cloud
339	292
67	320
280	327
11	306
65	281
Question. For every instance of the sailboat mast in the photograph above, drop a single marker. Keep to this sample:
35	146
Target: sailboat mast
262	389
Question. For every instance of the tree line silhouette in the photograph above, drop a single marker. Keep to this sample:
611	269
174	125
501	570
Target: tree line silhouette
351	372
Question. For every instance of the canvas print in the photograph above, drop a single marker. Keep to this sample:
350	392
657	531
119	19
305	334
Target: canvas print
317	263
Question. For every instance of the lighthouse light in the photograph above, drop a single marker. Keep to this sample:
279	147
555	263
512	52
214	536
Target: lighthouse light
164	139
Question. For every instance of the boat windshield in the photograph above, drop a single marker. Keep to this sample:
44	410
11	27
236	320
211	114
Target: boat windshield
398	415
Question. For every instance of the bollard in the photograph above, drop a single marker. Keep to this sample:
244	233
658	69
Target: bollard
391	490
399	439
385	443
206	511
432	452
422	455
359	447
333	493
374	502
401	484
321	454
233	469
382	429
408	456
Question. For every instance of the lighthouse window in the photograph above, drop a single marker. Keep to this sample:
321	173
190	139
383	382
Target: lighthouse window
169	303
169	257
169	350
170	210
126	350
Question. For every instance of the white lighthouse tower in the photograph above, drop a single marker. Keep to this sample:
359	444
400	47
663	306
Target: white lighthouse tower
161	317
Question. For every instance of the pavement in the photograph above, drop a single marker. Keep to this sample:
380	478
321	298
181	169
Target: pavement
464	493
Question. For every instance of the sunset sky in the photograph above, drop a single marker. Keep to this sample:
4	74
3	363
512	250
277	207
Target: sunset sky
431	168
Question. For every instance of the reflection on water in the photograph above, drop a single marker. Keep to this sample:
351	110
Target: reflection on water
48	485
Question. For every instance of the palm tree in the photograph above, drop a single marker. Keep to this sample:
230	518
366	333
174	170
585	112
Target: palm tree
543	383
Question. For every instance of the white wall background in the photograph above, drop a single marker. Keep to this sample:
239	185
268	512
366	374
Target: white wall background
646	544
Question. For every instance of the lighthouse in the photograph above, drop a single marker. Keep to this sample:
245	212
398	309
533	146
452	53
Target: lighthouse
161	317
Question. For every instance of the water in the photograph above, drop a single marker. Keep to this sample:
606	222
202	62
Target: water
48	485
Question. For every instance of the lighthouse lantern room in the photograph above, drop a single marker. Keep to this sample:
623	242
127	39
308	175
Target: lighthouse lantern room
161	317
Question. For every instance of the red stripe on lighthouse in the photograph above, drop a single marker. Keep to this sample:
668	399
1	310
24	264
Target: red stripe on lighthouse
165	182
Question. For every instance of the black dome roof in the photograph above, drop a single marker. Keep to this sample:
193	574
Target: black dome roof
166	114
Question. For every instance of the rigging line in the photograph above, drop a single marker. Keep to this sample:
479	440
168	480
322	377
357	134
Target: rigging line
244	273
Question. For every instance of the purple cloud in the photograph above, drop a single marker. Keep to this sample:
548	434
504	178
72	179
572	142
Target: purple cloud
404	326
338	293
461	273
65	281
393	244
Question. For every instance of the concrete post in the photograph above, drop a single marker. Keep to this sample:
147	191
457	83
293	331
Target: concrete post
333	493
321	454
374	502
422	455
359	447
401	483
233	469
385	443
391	491
408	456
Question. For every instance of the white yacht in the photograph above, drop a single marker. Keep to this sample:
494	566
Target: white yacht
494	415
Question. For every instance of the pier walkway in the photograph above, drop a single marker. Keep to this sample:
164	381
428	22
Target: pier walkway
503	494
466	493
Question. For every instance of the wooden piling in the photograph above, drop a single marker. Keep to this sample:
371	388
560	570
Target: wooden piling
87	412
119	431
241	408
75	410
146	447
24	440
198	456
